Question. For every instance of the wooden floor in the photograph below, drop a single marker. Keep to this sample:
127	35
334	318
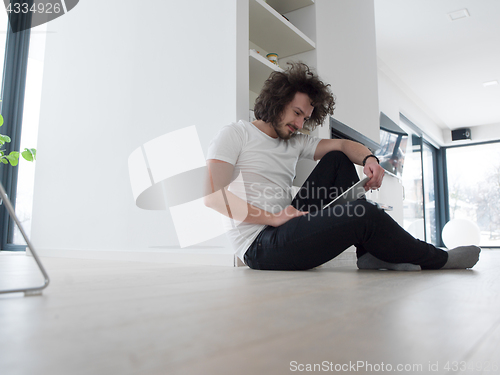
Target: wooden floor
103	317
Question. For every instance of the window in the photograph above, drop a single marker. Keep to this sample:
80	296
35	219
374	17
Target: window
15	51
474	188
29	134
413	204
429	182
419	178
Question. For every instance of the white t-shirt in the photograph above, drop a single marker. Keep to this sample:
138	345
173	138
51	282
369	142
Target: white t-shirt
267	168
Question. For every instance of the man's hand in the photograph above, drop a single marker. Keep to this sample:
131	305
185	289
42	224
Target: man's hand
376	173
286	214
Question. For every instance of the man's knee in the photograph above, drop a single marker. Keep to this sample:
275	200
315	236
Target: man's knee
338	161
335	156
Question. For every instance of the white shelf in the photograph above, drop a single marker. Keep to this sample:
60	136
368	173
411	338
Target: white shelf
272	32
260	69
286	6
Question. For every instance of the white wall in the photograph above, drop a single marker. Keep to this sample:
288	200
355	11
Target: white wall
116	77
347	58
395	98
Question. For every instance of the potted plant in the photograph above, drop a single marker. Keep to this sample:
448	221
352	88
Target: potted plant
13	157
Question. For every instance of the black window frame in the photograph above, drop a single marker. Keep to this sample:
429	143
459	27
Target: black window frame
437	172
12	107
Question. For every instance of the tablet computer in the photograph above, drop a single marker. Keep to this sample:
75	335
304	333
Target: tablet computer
356	191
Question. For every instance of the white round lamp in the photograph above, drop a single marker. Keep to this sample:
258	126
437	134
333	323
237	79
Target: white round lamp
460	232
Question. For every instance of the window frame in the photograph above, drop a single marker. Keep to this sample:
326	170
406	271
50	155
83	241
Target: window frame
440	181
12	107
437	195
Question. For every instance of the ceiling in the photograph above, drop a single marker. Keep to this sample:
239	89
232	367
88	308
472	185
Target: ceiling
442	63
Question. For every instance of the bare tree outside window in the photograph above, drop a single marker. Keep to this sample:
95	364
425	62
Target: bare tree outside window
474	188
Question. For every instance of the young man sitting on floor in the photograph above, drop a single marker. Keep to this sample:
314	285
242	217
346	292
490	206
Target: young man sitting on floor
253	165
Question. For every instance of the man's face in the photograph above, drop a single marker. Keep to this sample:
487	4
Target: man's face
298	111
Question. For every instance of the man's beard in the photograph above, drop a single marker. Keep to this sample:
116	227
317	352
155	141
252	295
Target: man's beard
283	131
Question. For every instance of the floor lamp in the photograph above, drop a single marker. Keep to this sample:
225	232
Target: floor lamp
33	291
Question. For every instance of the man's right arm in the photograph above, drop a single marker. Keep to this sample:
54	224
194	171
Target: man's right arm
219	198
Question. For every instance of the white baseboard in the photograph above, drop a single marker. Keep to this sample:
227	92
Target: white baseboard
347	258
176	257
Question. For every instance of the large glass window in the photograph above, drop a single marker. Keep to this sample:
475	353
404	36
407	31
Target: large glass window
20	108
29	135
474	188
429	181
413	204
419	184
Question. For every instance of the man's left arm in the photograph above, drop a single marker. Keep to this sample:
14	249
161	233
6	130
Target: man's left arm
356	153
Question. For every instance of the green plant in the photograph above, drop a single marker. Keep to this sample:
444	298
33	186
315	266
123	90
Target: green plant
13	157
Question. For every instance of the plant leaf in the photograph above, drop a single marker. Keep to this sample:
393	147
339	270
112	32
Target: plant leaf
13	158
1	120
4	160
28	155
4	139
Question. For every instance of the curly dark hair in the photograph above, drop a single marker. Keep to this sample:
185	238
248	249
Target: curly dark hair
280	89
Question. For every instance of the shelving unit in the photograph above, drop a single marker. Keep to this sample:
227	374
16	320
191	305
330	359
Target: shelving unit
269	32
286	6
272	32
260	68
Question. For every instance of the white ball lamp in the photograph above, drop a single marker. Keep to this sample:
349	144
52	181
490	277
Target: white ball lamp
460	232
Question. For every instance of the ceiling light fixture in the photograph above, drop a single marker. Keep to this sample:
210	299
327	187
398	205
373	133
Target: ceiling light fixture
490	83
459	14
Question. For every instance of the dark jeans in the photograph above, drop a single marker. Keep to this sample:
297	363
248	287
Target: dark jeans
308	241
